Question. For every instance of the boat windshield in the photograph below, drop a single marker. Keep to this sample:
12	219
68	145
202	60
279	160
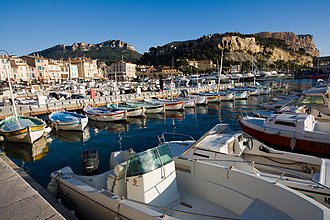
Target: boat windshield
149	160
221	128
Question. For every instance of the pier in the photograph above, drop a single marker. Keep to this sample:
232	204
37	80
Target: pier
77	104
23	198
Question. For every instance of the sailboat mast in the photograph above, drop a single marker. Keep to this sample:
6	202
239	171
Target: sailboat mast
9	84
220	70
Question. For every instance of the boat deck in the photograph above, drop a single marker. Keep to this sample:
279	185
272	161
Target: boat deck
194	204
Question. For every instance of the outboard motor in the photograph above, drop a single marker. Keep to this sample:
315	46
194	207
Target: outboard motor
90	161
184	93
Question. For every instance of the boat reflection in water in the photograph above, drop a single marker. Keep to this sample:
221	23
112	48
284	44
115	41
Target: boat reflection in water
138	122
159	117
25	151
201	109
175	114
190	111
114	127
72	136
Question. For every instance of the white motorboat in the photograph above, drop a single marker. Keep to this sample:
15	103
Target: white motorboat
153	185
307	174
291	132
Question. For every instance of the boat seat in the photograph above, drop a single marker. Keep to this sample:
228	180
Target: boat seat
119	157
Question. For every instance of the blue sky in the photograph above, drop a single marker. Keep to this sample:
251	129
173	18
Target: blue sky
28	26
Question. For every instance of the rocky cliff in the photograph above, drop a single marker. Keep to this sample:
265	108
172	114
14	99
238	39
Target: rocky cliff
296	42
265	47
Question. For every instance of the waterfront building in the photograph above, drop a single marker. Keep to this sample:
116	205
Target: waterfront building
235	69
33	75
322	64
40	65
169	71
87	68
19	70
121	71
73	68
202	65
5	68
54	71
65	70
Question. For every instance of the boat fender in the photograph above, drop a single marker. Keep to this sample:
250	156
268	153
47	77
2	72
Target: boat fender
250	143
53	187
293	143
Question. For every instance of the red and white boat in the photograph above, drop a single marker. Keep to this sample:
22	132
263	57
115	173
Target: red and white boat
292	132
105	114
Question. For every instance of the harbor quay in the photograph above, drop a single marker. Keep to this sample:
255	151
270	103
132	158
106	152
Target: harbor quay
23	198
78	104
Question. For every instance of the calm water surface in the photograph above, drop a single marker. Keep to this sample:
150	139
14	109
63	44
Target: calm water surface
139	134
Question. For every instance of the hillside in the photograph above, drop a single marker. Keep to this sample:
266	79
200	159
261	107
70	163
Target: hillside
108	51
266	49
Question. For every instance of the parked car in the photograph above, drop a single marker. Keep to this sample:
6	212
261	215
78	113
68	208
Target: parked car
77	96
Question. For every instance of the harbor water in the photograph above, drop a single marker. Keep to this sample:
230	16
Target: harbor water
65	148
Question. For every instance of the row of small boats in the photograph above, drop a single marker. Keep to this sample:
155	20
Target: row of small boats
29	129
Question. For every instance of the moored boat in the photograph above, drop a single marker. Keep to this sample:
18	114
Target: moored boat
153	185
68	121
241	95
169	104
150	108
25	129
292	132
227	96
200	100
210	96
105	114
220	145
131	111
189	102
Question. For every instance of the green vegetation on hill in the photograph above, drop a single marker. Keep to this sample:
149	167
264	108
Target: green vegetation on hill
102	54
